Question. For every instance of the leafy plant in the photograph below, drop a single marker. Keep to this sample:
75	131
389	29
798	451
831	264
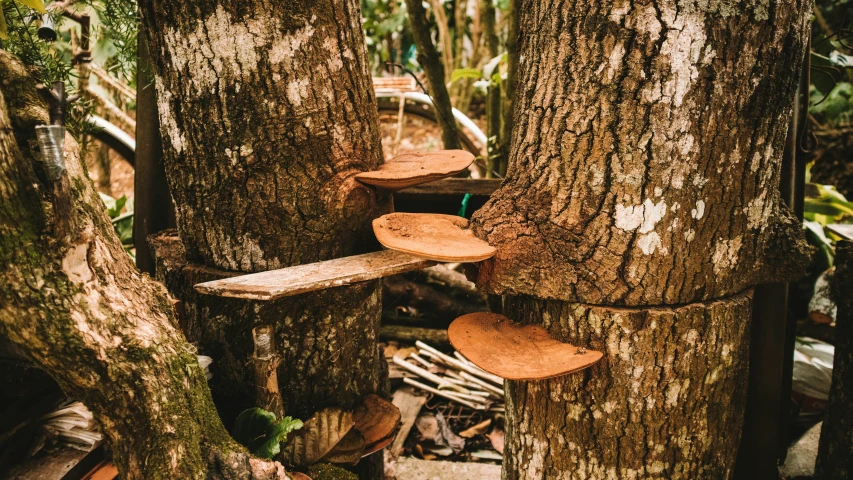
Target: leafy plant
36	5
122	222
258	430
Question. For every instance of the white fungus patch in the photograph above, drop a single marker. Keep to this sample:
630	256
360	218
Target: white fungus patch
650	242
644	216
725	254
217	45
167	119
683	45
756	211
698	212
284	48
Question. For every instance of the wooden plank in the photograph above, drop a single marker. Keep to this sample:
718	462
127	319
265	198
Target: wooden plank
410	468
454	186
314	276
410	405
65	463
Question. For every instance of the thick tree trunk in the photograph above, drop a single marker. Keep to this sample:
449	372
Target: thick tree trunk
77	307
645	155
267	113
835	452
665	402
640	205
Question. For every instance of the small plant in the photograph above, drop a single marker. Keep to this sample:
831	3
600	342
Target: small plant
258	430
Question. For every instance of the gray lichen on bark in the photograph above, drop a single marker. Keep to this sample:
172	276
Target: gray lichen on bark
646	152
663	403
267	113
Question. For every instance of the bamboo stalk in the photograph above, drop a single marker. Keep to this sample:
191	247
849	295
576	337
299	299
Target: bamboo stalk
444	394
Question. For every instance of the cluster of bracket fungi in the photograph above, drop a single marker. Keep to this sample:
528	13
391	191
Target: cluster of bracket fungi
415	241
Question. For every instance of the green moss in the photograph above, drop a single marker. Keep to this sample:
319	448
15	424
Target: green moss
325	471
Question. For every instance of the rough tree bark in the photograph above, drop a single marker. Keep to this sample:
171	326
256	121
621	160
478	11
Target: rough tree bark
640	205
77	307
835	452
267	112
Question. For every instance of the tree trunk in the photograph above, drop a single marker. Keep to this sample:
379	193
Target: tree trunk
267	113
78	308
835	452
643	179
645	154
662	404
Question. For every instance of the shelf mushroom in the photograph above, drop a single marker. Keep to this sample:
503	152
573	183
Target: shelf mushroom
412	169
515	352
443	238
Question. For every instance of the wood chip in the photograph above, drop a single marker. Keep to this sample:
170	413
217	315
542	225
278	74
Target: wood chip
443	238
513	351
412	169
314	276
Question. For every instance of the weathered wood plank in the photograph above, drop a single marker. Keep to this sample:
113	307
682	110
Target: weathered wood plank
314	276
454	186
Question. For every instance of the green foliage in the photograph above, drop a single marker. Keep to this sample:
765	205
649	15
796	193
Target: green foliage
461	73
835	107
122	222
36	5
257	430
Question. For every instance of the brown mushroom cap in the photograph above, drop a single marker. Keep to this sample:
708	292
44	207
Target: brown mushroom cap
377	420
513	351
411	169
443	238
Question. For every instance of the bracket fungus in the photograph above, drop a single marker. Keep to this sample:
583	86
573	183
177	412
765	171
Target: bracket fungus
412	169
443	238
513	351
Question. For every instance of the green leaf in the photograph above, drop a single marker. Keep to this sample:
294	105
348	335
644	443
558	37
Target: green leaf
37	5
251	427
115	210
257	430
829	206
461	73
276	436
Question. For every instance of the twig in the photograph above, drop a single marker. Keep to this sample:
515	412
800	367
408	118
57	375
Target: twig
442	393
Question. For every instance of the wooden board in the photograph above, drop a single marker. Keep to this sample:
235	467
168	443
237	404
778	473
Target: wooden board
444	238
65	463
410	405
412	169
314	276
513	351
453	187
410	468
